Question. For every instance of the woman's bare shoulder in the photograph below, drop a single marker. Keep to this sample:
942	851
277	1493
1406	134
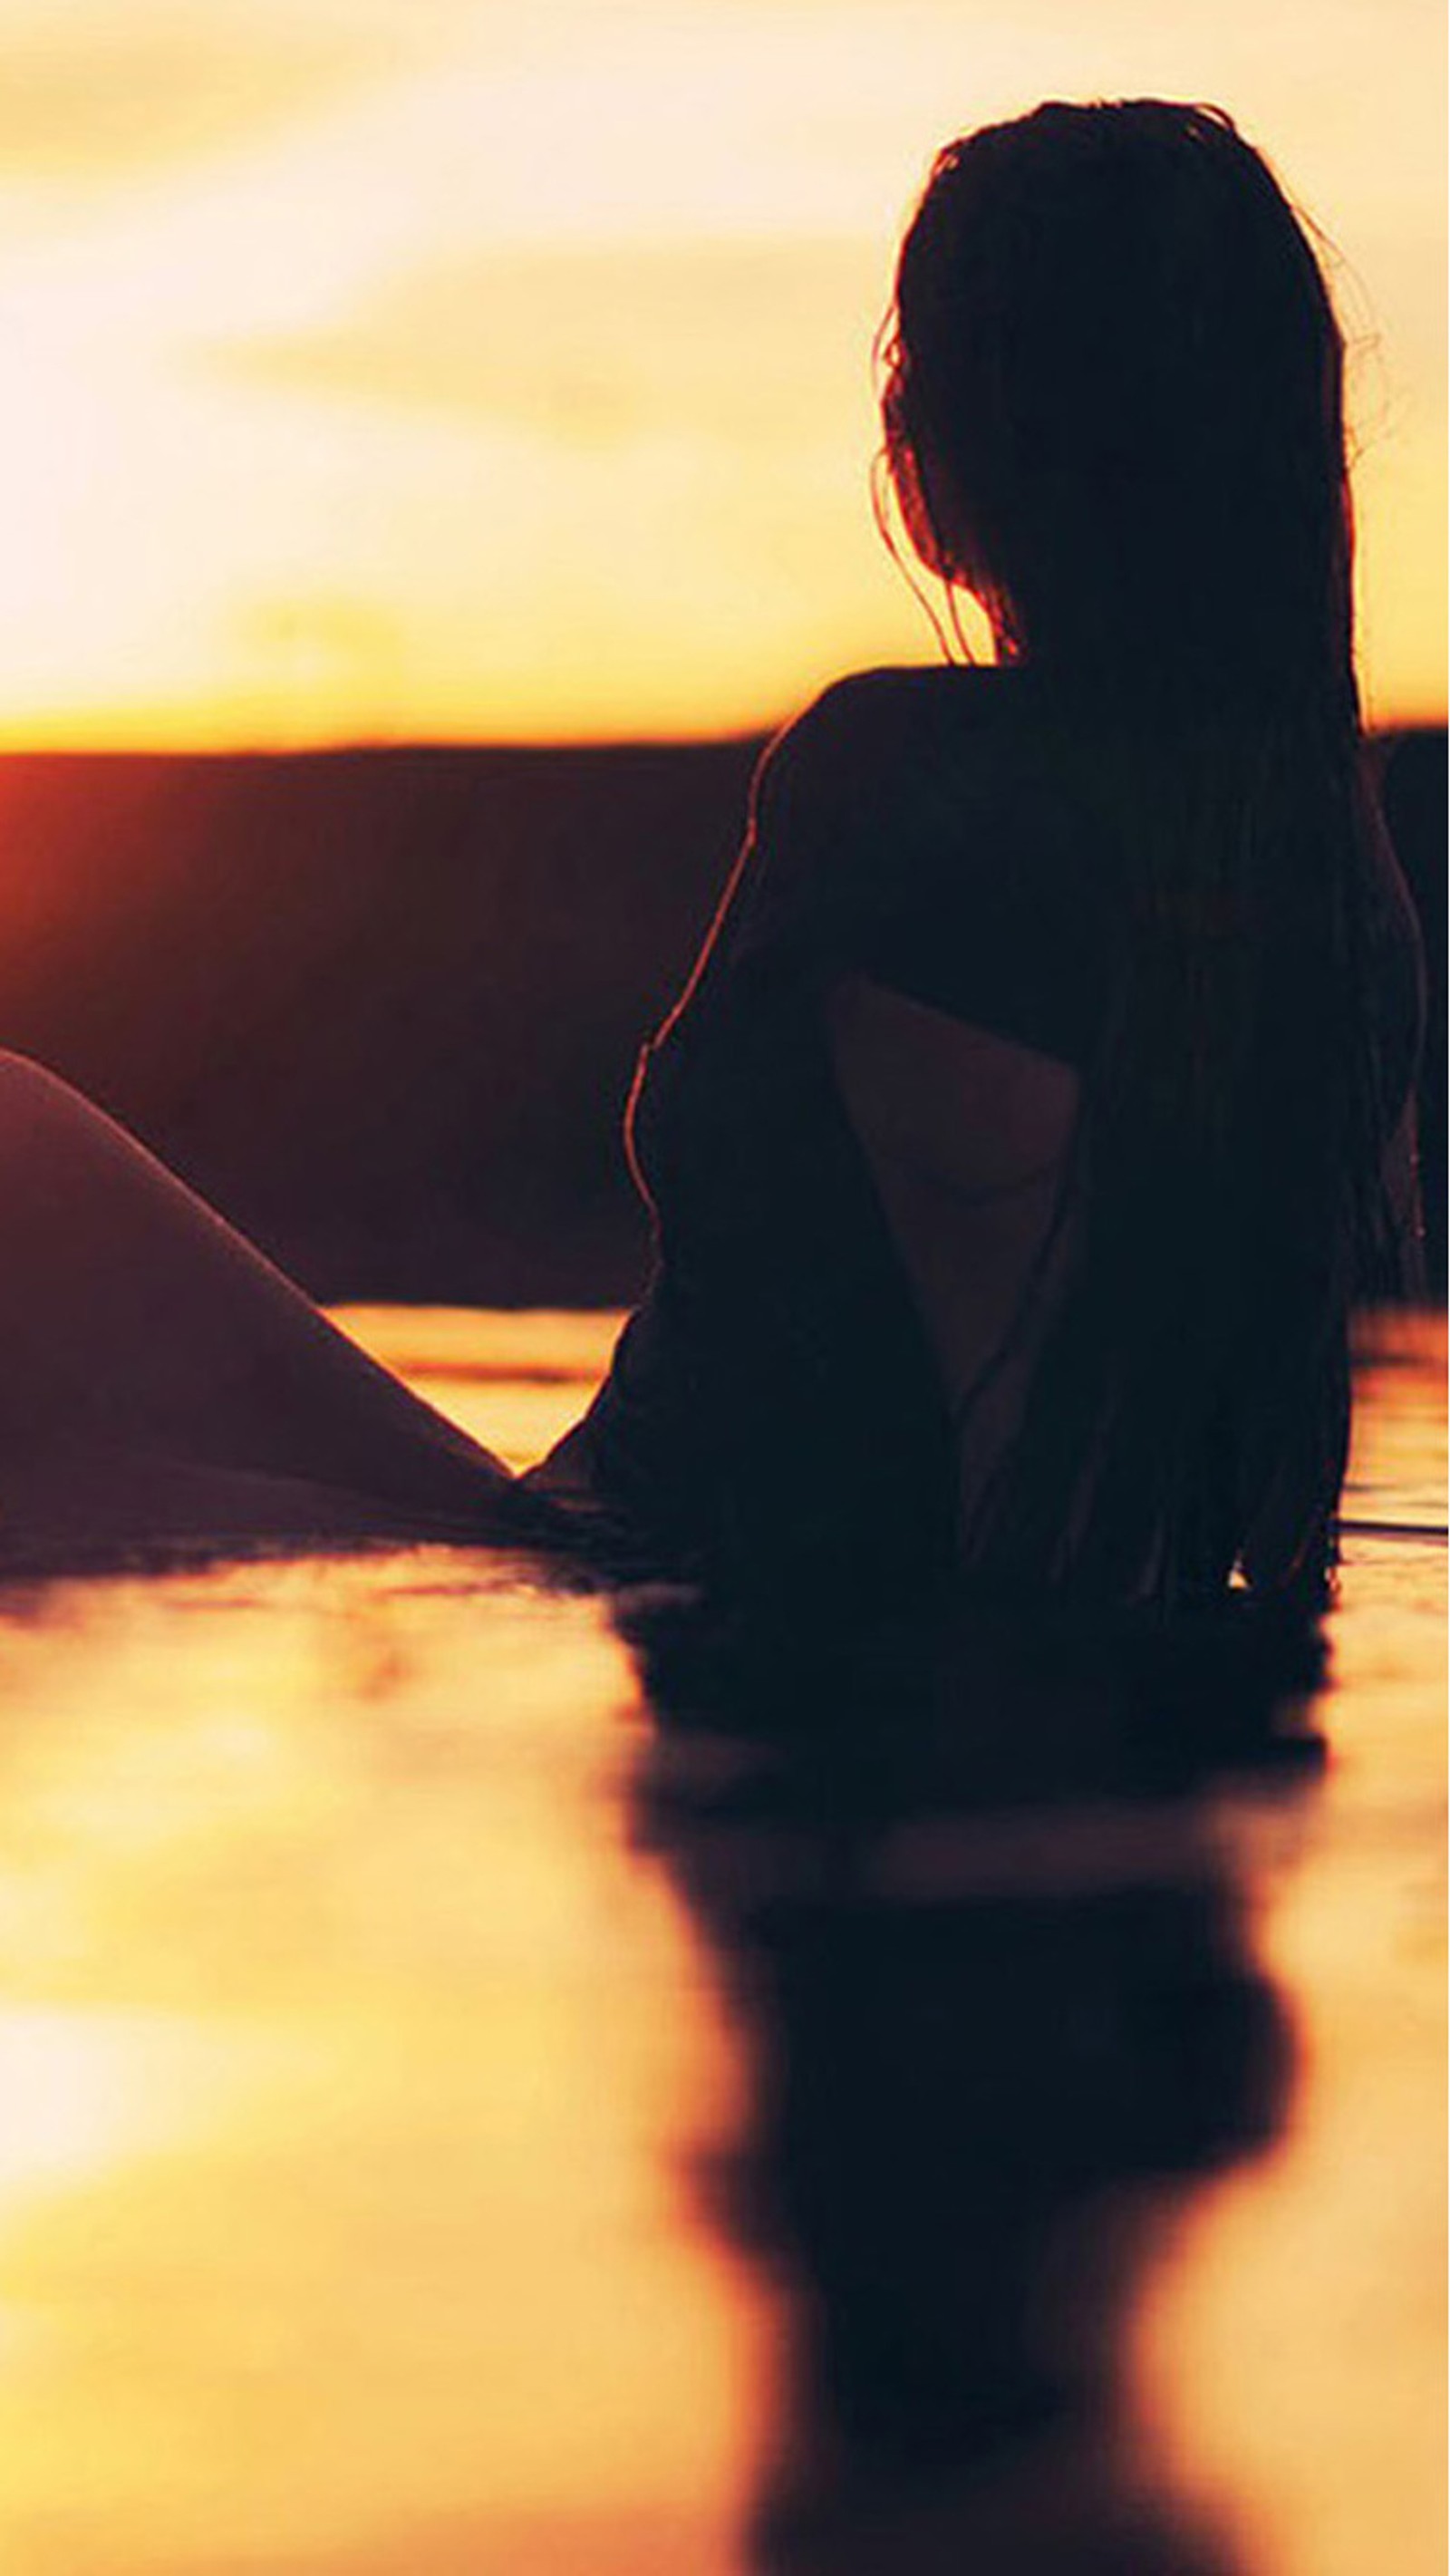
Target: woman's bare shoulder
862	709
852	747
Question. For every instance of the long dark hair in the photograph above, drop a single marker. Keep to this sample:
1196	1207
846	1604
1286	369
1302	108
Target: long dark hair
1114	411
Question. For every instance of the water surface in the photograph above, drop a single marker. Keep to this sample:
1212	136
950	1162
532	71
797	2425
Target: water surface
446	2132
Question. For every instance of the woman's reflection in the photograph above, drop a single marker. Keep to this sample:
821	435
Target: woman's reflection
1002	2009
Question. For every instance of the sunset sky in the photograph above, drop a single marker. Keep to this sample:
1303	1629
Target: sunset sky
458	368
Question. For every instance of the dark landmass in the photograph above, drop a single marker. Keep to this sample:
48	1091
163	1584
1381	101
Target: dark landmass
382	1006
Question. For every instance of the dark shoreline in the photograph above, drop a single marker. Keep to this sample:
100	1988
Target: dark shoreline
382	1004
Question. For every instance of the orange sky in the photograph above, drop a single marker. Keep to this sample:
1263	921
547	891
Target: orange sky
407	368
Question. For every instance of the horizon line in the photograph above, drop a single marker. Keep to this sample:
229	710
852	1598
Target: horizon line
350	745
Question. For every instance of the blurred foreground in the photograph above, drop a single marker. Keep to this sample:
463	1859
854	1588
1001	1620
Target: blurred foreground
457	2124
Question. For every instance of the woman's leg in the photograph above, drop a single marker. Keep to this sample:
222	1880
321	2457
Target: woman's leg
159	1377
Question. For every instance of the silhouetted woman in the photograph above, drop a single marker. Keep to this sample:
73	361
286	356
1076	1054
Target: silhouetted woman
1040	1101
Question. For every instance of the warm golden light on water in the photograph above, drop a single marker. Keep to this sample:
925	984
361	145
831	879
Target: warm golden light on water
87	2090
344	2186
377	2100
1297	2285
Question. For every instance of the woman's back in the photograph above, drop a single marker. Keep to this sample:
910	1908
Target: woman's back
854	1133
968	1137
860	1133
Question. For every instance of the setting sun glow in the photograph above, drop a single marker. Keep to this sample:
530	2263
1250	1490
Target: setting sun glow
436	368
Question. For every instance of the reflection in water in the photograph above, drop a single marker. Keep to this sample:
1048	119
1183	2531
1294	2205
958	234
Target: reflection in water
345	2052
997	2007
455	2121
